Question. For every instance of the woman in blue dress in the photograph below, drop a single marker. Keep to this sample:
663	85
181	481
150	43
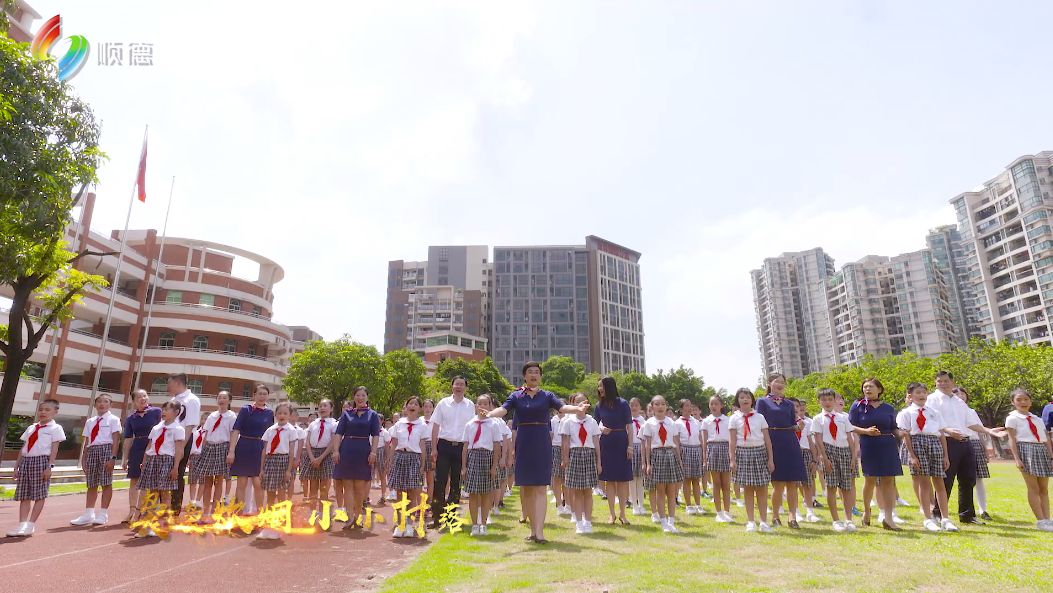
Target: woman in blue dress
789	463
616	451
533	444
878	449
354	447
246	445
136	437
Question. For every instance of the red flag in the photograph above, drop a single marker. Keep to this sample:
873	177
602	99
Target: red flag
140	181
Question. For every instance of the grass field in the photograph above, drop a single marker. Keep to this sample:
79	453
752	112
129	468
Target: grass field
1006	555
8	492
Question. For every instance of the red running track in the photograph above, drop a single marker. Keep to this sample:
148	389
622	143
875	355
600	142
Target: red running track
104	559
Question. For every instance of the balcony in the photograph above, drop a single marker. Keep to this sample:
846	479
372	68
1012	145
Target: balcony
206	318
216	363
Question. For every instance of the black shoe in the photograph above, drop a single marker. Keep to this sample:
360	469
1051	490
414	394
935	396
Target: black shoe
985	516
973	521
817	504
793	525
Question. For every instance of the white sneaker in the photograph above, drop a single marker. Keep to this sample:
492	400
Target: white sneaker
482	530
655	518
1046	525
508	492
720	517
930	525
475	530
880	516
751	527
699	510
495	511
398	532
896	519
587	525
811	518
850	527
765	528
579	528
948	525
573	518
666	526
839	527
728	518
85	518
101	517
639	510
690	510
489	520
902	503
23	527
671	523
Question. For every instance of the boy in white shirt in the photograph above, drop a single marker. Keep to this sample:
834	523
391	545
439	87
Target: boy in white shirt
97	455
922	430
835	451
33	468
751	458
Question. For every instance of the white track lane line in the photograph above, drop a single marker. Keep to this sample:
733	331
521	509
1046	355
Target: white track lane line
43	558
152	575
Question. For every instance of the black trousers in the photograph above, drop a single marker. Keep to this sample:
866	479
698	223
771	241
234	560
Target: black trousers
963	467
447	468
177	494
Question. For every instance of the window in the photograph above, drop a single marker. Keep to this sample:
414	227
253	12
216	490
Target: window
257	311
207	300
167	340
195	385
251	351
230	345
246	391
174	297
160	385
225	386
235	305
200	342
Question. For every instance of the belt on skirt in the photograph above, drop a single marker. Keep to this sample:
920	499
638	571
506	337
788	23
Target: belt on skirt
534	424
253	438
782	428
354	437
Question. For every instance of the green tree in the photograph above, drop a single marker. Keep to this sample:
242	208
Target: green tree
483	377
562	372
635	384
406	371
48	146
332	369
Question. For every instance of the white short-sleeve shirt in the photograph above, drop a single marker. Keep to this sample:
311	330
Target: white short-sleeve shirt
571	427
909	419
286	436
1018	422
218	426
320	432
716	428
452	417
691	431
502	427
487	433
408	435
46	435
199	440
757	425
172	432
638	422
802	436
107	423
556	423
190	414
651	430
821	425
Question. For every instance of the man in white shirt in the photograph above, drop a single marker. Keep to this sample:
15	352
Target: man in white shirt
956	422
448	420
189	416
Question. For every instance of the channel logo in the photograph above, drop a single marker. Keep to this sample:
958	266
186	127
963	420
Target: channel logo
76	56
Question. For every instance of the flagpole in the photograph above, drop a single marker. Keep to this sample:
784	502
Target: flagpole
114	286
151	289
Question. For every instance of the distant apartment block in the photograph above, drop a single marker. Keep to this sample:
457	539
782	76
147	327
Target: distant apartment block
20	18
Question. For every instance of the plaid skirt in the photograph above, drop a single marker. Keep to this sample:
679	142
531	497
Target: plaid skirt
95	459
637	459
274	468
477	479
842	472
155	473
1036	460
809	466
904	457
718	458
428	465
692	456
982	469
194	474
31	483
581	469
324	471
212	461
929	452
557	463
751	466
665	468
378	467
502	476
406	471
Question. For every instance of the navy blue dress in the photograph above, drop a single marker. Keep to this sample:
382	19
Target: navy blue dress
879	455
357	430
252	422
785	448
533	454
617	466
137	426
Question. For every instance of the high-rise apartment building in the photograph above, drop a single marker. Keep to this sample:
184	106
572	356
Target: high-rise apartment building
922	319
948	254
861	311
582	301
789	295
448	292
1008	250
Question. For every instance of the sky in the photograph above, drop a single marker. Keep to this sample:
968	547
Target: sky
333	137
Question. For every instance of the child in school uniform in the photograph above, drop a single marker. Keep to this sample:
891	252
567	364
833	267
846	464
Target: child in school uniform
316	461
427	408
921	429
160	473
407	467
560	496
804	439
835	452
691	456
275	470
384	462
196	476
703	480
715	431
33	467
212	463
478	467
1033	453
636	489
98	453
503	465
581	463
751	458
662	462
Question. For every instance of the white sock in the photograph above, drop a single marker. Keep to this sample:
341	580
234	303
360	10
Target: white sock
981	496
